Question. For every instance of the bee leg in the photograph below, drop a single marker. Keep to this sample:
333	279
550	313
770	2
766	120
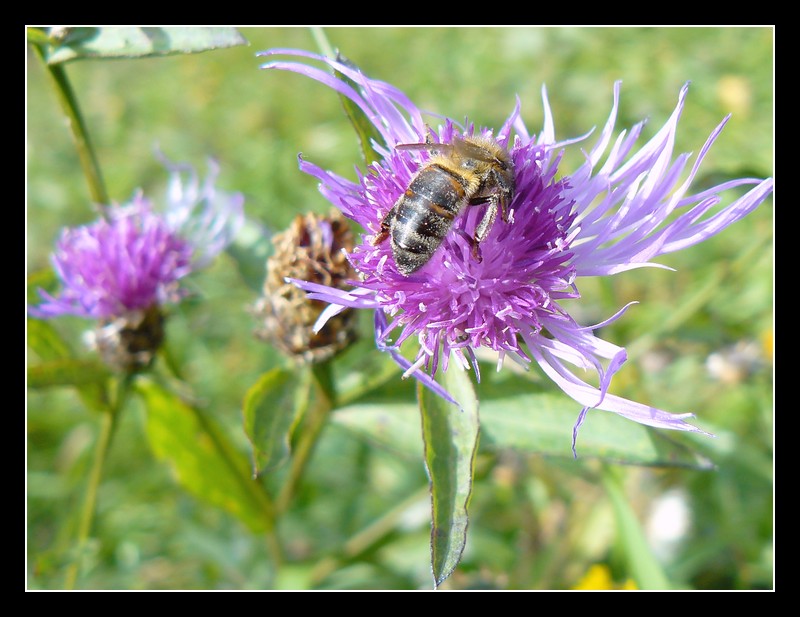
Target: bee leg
503	211
482	230
503	197
476	251
386	227
485	224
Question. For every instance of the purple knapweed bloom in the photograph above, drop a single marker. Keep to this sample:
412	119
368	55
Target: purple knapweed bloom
129	261
134	257
606	217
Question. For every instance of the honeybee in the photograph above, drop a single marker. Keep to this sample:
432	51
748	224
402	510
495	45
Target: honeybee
468	171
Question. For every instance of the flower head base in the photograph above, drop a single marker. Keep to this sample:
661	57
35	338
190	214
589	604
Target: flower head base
312	249
600	220
128	343
122	268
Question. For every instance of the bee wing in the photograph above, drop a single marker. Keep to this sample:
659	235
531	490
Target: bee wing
465	148
430	147
470	149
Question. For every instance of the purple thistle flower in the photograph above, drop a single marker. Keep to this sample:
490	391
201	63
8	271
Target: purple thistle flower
602	219
130	261
135	257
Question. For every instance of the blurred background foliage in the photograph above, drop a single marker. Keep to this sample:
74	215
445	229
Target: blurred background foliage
701	340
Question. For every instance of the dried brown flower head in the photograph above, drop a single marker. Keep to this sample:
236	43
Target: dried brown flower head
310	250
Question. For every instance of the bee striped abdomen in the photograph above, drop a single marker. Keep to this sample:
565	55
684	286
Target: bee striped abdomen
424	215
467	171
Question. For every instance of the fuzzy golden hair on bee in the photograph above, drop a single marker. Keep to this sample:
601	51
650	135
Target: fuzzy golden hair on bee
467	171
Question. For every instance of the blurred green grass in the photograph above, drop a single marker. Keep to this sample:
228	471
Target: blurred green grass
152	535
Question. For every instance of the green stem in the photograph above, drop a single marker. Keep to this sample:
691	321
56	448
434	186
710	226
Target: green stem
308	439
322	42
323	377
107	427
69	105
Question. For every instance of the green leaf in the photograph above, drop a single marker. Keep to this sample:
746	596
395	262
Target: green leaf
542	424
67	372
45	341
123	42
59	367
364	128
451	441
202	458
394	426
272	408
642	563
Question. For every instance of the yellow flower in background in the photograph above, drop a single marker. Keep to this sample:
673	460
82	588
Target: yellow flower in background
598	577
